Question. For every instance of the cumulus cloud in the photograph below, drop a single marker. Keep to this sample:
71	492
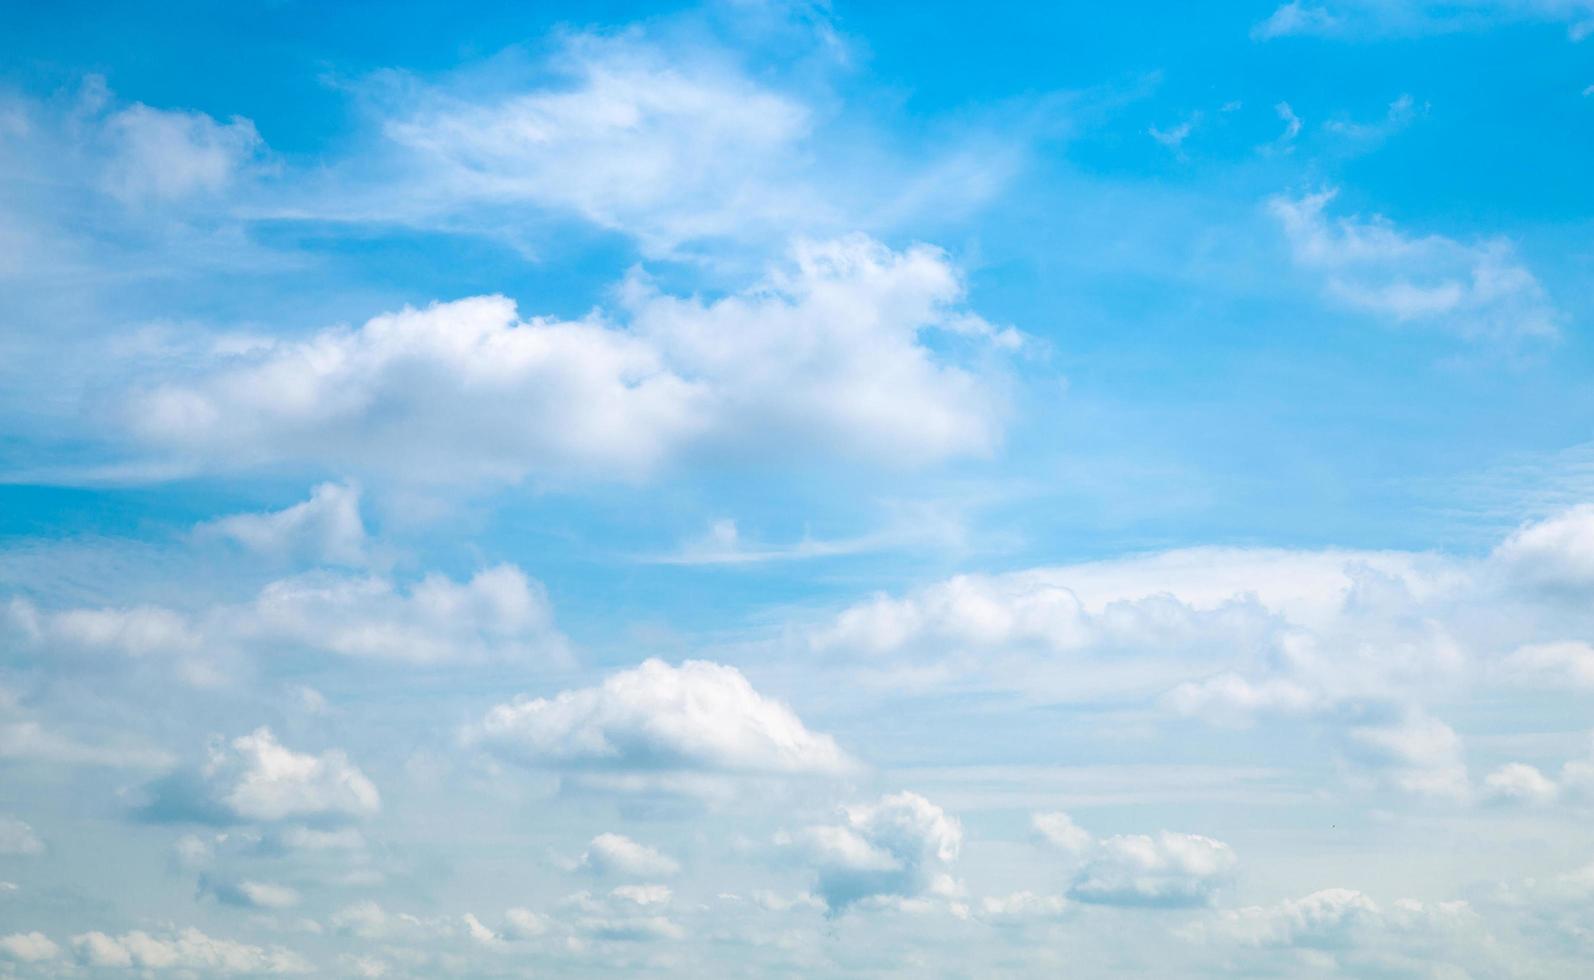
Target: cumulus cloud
28	947
900	847
616	854
499	614
1477	290
1519	782
1555	554
699	717
16	837
324	529
255	779
184	952
628	913
1168	869
828	356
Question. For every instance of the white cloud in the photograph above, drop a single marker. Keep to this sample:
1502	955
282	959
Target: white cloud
186	951
1166	870
523	924
164	154
1519	782
16	837
252	894
1059	830
326	528
1555	554
1417	752
625	914
30	740
1321	918
1552	664
666	150
699	717
499	614
1478	290
1022	906
255	779
28	947
898	847
826	357
616	854
1356	19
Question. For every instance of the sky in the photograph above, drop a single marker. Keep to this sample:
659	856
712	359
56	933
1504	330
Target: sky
759	489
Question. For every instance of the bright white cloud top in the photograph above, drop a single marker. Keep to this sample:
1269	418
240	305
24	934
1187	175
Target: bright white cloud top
781	489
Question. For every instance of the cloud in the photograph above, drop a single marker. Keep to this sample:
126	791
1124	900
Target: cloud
186	951
616	854
165	154
629	913
1479	290
699	717
1326	917
1555	554
661	148
324	529
1417	752
1364	19
898	847
255	779
250	894
1564	664
1059	830
685	148
16	837
28	947
1168	870
1519	782
499	614
828	357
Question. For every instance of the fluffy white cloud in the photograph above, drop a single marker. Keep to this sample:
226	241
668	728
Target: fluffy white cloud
16	837
1555	554
898	847
1476	290
616	854
827	357
1166	870
498	614
699	717
1324	917
164	154
255	779
326	528
252	894
28	947
187	951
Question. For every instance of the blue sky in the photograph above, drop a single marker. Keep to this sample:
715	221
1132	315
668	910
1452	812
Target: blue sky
759	489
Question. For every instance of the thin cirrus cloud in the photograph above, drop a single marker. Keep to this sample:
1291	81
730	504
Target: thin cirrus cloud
1479	290
622	132
1354	19
828	356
